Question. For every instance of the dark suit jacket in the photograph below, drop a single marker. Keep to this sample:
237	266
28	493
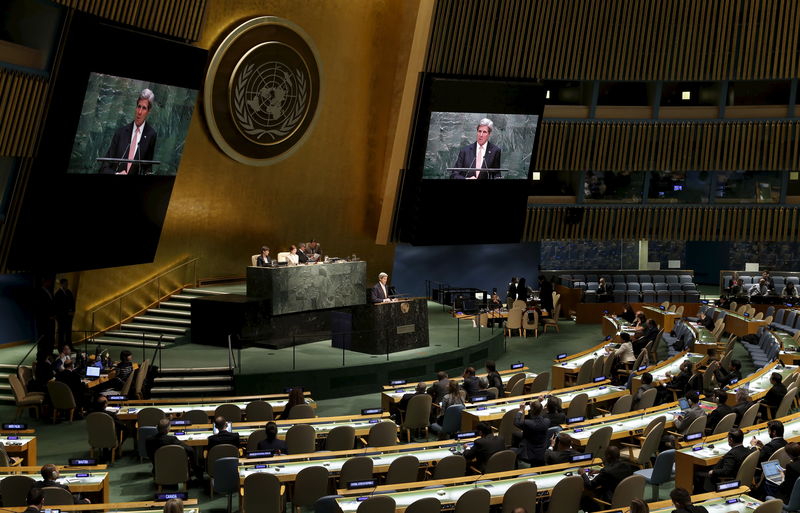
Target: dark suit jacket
302	257
472	386
495	380
724	377
774	395
769	448
555	457
466	158
534	438
740	408
158	441
691	509
729	465
274	445
715	416
46	483
606	481
789	477
120	147
439	389
483	449
377	295
260	262
223	437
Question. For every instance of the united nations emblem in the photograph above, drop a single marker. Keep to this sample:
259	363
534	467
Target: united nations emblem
405	307
262	90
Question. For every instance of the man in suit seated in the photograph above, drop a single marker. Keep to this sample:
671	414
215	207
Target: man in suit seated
272	442
603	483
722	409
162	438
774	395
34	500
727	467
685	418
727	376
72	379
222	436
484	447
50	477
561	451
481	154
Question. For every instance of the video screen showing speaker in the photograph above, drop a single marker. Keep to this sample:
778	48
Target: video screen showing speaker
131	127
475	146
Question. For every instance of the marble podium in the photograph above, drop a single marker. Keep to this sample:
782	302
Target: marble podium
382	328
304	288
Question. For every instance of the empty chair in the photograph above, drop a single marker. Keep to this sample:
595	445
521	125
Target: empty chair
102	433
771	506
254	439
358	468
142	434
566	495
61	398
301	439
622	405
301	411
14	489
514	322
417	414
258	411
55	496
661	472
377	504
310	484
517	389
501	462
451	422
522	494
507	427
425	505
404	469
585	373
341	438
747	471
671	278
577	407
628	489
231	412
540	383
597	368
598	441
677	296
725	424
226	477
262	492
151	415
450	466
171	466
641	455
193	416
648	296
24	399
382	434
635	287
219	452
662	295
476	500
530	324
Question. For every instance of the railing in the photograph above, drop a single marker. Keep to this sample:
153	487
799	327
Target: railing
146	295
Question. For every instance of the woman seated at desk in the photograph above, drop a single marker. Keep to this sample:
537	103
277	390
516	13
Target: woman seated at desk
292	257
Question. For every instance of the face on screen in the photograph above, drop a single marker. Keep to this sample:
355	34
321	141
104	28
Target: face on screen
142	110
483	134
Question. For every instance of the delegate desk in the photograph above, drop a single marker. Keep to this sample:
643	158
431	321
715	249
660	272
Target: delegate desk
612	326
494	410
661	372
790	352
713	448
664	318
758	383
726	501
20	445
393	393
93	486
198	435
128	411
571	365
126	507
703	340
449	490
286	467
741	325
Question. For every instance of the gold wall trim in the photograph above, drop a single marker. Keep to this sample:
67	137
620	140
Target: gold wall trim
672	224
616	39
182	19
683	146
22	100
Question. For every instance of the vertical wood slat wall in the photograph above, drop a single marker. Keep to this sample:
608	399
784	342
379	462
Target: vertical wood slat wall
678	224
181	19
616	39
22	100
682	146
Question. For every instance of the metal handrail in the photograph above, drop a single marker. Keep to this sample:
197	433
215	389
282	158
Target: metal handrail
35	345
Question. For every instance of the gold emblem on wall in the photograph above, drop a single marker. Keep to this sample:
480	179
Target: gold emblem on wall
262	90
405	307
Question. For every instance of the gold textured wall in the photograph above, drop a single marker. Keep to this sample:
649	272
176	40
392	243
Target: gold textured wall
329	189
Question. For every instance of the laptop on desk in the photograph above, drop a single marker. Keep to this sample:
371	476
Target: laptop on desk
772	471
93	372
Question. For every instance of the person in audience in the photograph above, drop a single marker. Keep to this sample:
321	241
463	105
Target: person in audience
296	397
706	321
765	451
738	289
627	314
791	473
511	293
121	371
546	294
440	387
454	395
222	436
173	506
729	465
724	301
494	378
494	302
471	384
272	442
421	389
50	476
314	250
100	404
789	290
162	438
640	321
73	380
63	357
483	448
722	409
263	259
758	289
682	501
604	291
534	433
292	257
642	338
681	380
483	383
684	419
602	483
639	506
34	500
561	449
42	374
624	353
774	395
554	412
732	282
302	256
647	384
727	376
768	281
743	402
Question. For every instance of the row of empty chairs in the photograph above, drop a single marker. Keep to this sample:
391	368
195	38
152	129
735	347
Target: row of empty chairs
566	279
787	320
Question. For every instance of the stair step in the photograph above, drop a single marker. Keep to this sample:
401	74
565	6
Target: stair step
154	328
189	390
7	398
162	320
8	367
167	312
176	305
190	379
203	292
138	335
194	370
127	342
183	297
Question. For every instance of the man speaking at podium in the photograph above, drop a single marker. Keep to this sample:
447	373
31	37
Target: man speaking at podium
381	292
479	155
134	141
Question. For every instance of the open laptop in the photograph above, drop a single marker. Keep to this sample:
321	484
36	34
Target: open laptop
683	403
772	471
93	372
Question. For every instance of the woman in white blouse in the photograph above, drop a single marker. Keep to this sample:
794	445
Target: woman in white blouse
292	257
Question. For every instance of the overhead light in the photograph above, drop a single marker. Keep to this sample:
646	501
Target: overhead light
794	175
547	94
686	95
536	175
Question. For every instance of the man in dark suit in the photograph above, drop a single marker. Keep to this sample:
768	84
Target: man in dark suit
562	450
722	409
726	376
603	483
162	438
302	253
135	140
729	465
484	447
272	442
774	395
534	434
73	380
380	292
34	500
50	476
766	450
223	436
479	155
439	388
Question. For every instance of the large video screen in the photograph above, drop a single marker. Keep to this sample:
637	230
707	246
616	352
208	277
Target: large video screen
131	127
476	146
